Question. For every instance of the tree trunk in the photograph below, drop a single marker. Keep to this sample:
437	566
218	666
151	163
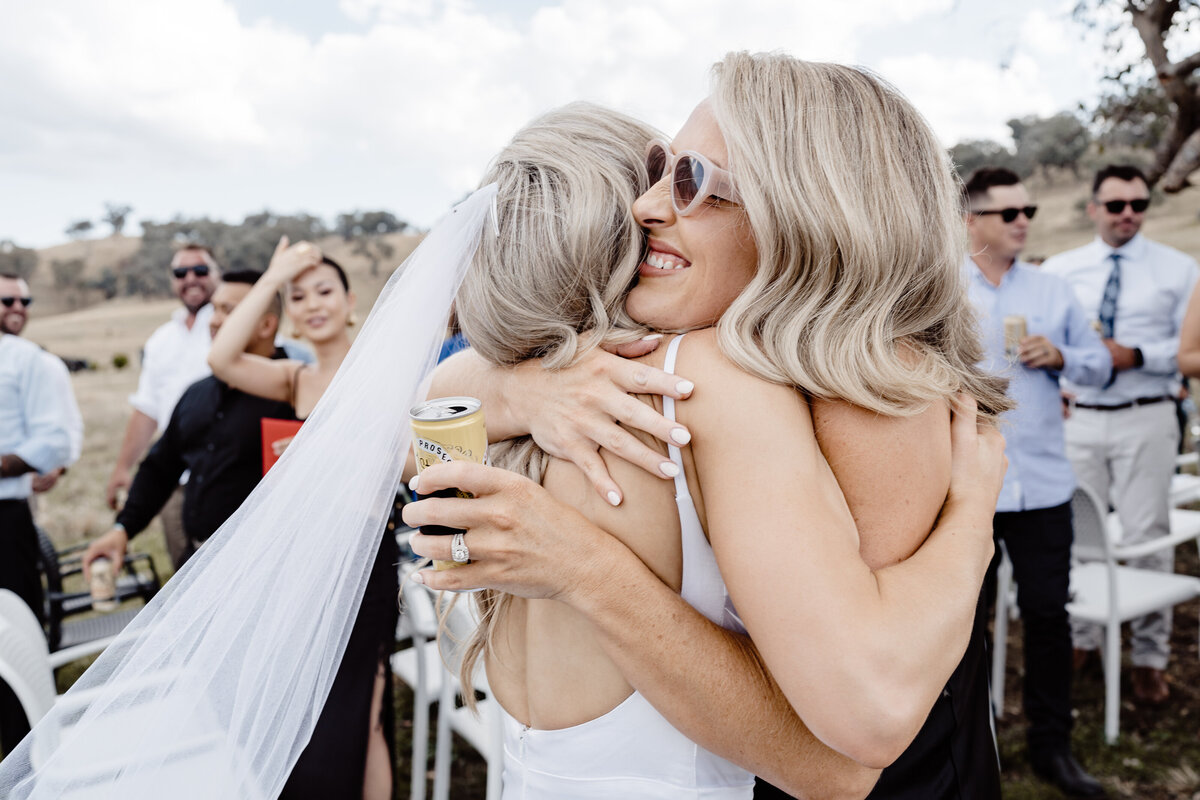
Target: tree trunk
1178	154
1186	161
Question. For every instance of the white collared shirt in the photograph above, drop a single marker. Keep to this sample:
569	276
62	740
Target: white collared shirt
175	357
1156	283
37	412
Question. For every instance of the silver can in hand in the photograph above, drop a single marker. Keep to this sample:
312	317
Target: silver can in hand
103	585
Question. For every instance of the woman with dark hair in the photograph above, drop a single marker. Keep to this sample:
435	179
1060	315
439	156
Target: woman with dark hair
349	754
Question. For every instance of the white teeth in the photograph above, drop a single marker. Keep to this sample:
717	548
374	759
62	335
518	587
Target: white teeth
664	261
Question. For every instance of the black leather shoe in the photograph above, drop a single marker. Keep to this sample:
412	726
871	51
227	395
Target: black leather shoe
1062	770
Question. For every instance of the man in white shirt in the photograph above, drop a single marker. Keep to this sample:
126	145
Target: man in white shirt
175	356
15	300
1122	437
35	438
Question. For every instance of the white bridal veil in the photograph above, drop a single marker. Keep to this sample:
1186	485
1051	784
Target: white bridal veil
215	687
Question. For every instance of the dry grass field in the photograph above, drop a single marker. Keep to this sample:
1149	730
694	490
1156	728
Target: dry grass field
1159	758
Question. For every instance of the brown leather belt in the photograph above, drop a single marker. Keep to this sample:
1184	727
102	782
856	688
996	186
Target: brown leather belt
1141	401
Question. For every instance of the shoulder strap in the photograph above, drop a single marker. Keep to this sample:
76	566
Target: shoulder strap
681	489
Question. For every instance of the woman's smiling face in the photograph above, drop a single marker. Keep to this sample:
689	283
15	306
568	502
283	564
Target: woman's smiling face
695	265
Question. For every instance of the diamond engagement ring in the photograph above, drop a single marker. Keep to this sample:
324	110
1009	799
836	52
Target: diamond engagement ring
458	549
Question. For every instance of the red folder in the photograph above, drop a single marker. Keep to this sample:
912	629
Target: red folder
275	430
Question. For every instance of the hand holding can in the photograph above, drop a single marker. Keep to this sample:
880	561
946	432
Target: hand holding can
448	429
103	585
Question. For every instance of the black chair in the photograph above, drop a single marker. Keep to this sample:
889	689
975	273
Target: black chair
71	622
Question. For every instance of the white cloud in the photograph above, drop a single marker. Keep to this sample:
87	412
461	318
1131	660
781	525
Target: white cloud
969	98
144	101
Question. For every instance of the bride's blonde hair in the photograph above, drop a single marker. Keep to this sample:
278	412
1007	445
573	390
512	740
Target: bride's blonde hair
859	293
550	281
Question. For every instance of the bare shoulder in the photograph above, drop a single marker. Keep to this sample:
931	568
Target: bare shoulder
724	388
894	471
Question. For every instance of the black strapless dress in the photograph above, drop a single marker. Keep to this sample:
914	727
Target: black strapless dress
954	755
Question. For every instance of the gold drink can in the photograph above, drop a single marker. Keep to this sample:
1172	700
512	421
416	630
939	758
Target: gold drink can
1014	332
448	429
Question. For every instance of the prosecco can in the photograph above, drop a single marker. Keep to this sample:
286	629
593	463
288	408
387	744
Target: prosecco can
447	429
1014	332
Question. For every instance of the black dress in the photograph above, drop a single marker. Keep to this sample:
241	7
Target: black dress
333	762
954	755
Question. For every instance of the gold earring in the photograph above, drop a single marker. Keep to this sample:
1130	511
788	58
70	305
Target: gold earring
295	334
351	320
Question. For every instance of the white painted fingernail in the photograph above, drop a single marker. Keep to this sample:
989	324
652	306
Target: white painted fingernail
669	468
614	499
651	337
412	483
681	436
685	387
417	577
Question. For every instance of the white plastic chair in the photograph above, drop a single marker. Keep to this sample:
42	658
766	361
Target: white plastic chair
24	657
483	729
420	666
1108	594
1006	609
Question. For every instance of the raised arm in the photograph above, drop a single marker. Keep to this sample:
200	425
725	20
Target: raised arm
253	374
572	412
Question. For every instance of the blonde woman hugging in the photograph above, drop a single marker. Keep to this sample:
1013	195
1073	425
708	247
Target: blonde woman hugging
808	212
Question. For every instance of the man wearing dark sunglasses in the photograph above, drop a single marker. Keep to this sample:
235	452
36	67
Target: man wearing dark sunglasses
175	356
37	409
15	300
1033	514
1122	437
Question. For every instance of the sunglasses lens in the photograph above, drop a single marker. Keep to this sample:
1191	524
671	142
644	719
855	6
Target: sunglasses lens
656	163
181	272
28	301
689	175
1029	211
1010	214
8	301
1115	206
200	271
1140	205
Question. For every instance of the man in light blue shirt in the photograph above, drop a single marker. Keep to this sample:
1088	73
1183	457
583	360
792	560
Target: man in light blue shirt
1122	436
1033	514
35	439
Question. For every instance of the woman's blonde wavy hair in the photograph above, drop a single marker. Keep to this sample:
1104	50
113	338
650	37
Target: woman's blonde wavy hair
859	293
551	282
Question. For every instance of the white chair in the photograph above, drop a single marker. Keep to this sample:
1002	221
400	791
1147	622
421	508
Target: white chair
420	666
1185	489
24	658
1108	594
482	729
1006	609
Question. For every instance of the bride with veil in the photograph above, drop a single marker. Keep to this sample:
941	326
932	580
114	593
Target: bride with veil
215	687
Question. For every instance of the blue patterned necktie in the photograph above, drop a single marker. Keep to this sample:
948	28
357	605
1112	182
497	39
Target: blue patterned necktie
1108	303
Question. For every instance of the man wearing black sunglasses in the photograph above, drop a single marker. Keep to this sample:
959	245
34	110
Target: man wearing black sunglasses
1122	437
15	300
1050	339
175	356
37	413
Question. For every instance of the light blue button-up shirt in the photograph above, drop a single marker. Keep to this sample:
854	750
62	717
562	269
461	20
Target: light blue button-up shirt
1156	282
36	418
1039	474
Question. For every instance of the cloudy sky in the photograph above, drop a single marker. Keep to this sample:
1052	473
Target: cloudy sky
226	107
